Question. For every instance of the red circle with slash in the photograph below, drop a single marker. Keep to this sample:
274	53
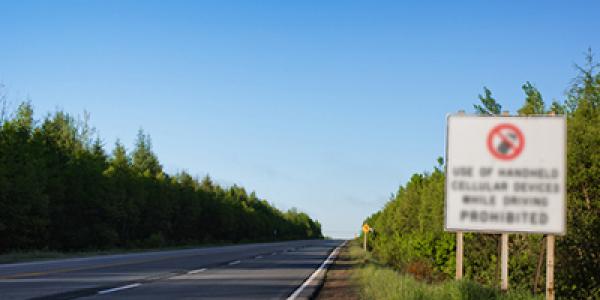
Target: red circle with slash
505	141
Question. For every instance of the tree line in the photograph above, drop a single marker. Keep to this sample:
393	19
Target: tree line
61	190
409	232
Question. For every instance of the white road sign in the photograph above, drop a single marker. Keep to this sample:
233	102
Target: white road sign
506	174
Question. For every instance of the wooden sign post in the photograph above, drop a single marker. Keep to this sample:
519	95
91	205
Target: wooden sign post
550	267
366	230
504	262
550	261
504	250
459	240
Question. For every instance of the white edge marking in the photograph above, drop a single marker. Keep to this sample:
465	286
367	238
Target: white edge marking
258	257
197	271
129	286
318	271
234	262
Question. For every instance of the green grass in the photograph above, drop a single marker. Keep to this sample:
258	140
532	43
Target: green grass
379	282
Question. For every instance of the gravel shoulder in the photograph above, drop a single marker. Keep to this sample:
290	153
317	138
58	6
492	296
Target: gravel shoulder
338	281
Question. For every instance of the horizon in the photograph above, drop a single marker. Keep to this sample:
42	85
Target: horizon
311	108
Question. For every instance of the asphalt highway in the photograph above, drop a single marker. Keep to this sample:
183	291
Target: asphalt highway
252	271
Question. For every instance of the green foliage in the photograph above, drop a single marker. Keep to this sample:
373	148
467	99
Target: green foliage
377	282
578	252
23	202
144	160
558	108
409	230
410	227
488	106
534	104
59	190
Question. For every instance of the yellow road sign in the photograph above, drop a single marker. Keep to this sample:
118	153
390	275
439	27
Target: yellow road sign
366	228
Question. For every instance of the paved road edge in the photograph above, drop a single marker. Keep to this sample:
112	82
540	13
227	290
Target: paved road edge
311	286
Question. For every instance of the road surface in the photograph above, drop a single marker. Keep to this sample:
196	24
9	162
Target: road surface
253	271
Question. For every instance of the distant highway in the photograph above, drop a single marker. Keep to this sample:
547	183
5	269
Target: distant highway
253	271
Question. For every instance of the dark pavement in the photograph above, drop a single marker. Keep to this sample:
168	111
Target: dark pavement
253	271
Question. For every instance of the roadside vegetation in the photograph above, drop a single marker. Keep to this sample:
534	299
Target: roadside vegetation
379	282
61	191
410	239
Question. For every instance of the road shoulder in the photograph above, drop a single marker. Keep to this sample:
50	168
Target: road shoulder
338	280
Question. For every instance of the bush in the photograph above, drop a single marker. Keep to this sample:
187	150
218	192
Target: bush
376	282
409	232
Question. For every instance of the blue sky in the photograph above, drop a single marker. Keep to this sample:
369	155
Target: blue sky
327	106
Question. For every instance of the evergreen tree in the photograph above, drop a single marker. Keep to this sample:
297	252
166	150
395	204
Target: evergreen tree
577	252
144	160
207	184
558	108
488	106
23	203
59	190
534	104
120	161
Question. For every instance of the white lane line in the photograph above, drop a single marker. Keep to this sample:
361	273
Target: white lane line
234	262
274	253
197	271
258	257
317	272
129	286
